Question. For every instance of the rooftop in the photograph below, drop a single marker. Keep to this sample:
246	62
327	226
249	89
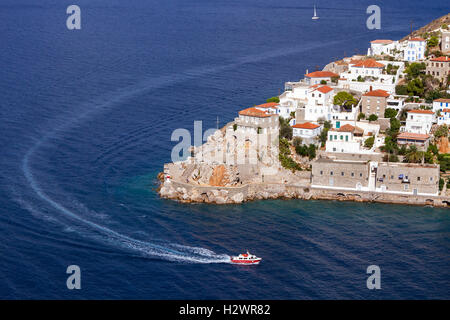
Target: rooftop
421	111
369	63
321	74
377	93
306	125
442	100
413	136
382	41
253	112
324	89
268	105
441	59
416	39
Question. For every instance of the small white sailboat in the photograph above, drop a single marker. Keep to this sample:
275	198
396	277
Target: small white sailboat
315	17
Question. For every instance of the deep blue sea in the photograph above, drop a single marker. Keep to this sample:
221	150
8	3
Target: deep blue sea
86	122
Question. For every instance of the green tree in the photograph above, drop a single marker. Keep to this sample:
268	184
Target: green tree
390	113
373	117
432	42
414	70
361	116
413	155
369	142
323	82
415	87
344	98
441	131
401	90
273	99
311	151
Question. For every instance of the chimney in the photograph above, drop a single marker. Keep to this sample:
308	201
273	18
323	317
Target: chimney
370	88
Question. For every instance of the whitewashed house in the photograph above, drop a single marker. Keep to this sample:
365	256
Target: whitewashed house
317	77
306	130
320	100
419	121
346	139
366	68
415	49
444	117
441	104
269	107
381	47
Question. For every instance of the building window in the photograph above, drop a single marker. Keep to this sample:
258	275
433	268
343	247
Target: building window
331	173
353	174
360	174
321	172
418	178
342	173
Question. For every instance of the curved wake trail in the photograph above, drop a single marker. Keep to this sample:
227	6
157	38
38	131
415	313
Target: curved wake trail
171	252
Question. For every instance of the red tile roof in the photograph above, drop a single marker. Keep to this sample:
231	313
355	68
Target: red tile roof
416	39
324	89
306	125
321	74
369	63
348	128
442	100
446	110
441	59
413	136
377	93
421	111
383	41
253	112
268	105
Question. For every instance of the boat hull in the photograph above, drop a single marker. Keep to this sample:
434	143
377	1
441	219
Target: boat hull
246	262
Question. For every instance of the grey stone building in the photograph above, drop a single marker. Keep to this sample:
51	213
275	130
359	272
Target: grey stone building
374	102
407	177
372	176
340	173
439	68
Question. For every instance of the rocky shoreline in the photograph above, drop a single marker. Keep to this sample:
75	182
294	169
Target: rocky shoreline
186	193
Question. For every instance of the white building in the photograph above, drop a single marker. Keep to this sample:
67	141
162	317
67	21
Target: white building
366	68
317	77
444	117
269	107
381	47
320	100
419	121
441	104
306	130
347	139
415	50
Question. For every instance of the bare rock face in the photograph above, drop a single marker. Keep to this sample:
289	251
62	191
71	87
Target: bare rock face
238	198
219	176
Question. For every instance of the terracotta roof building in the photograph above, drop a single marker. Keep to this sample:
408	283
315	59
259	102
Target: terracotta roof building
374	102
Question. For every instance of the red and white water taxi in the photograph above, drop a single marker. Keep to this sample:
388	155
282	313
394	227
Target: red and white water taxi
245	259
